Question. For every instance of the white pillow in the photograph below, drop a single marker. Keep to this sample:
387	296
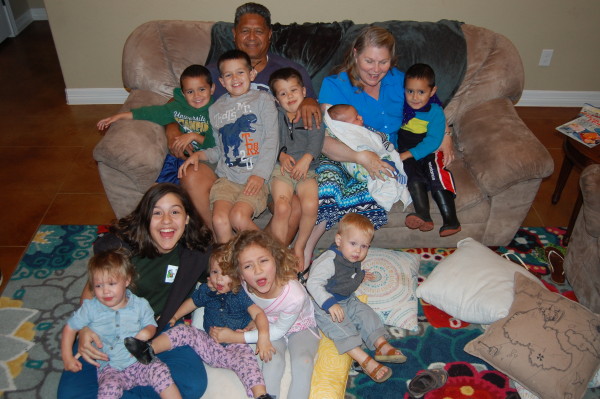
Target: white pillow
392	293
474	284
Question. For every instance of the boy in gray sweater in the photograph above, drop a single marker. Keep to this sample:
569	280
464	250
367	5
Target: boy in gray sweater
245	125
348	322
295	171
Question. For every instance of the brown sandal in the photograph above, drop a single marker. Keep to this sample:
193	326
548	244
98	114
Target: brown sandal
391	356
373	374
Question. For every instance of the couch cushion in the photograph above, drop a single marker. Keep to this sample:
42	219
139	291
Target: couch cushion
157	52
547	343
323	46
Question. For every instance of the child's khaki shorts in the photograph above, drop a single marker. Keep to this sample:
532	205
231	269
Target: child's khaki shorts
310	174
226	190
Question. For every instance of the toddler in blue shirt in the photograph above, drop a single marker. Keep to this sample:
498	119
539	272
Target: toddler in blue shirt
115	313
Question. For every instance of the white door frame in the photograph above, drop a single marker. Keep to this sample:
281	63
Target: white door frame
12	25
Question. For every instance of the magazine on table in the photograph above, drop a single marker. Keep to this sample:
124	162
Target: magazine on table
585	128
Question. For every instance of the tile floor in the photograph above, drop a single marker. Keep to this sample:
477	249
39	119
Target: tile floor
48	174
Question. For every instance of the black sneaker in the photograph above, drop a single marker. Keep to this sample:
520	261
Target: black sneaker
266	396
141	350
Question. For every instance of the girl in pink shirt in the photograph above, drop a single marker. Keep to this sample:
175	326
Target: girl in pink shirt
268	273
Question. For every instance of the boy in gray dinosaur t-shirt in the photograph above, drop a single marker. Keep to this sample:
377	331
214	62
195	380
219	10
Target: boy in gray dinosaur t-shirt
245	125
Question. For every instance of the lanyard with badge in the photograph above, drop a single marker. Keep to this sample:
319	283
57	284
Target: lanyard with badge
171	273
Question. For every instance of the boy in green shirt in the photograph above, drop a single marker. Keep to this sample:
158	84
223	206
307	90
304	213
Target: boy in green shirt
189	109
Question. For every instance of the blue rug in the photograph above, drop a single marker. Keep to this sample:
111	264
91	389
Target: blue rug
42	292
46	287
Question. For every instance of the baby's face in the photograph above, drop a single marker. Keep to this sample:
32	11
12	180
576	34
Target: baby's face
353	244
110	289
219	281
352	116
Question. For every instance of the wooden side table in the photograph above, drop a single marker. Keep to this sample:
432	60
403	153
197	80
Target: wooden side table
576	154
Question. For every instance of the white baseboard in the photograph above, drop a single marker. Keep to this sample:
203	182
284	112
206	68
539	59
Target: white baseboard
96	96
530	98
549	98
33	14
23	21
39	14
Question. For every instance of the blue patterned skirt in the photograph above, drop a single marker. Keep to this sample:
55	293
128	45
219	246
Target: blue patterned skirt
340	193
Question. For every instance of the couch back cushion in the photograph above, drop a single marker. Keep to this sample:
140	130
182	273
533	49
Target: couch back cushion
157	52
320	47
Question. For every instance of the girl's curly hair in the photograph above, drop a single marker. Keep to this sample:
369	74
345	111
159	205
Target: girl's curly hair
219	255
284	257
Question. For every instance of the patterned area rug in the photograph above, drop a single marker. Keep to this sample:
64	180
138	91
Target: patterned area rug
441	338
47	284
43	291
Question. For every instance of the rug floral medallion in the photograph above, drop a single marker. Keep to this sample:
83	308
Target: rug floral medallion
43	291
46	288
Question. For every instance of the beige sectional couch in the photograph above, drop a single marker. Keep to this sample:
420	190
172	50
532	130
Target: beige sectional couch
499	164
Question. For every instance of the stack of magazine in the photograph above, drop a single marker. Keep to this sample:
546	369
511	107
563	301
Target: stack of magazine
585	128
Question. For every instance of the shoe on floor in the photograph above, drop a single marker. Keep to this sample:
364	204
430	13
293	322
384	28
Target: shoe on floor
141	350
427	381
555	264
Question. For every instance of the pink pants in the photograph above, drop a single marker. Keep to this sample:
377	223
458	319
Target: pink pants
112	382
237	357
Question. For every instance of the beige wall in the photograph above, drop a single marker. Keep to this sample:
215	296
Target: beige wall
35	3
90	34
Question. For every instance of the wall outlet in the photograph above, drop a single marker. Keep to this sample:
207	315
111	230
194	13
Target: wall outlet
546	57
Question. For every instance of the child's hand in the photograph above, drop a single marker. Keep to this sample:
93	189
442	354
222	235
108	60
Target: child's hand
405	155
337	313
251	326
301	168
71	363
194	160
369	276
286	162
265	349
253	185
105	123
184	142
172	321
222	335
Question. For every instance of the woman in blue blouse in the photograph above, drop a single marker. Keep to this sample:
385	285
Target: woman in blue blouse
369	81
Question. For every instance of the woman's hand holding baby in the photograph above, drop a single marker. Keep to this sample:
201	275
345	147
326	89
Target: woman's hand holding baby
374	165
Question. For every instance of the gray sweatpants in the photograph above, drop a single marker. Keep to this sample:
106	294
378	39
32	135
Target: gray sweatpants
360	324
303	347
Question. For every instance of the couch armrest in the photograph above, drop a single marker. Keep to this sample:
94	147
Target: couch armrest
135	148
498	148
590	187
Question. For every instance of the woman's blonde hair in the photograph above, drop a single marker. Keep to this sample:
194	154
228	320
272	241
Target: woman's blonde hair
285	260
369	36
